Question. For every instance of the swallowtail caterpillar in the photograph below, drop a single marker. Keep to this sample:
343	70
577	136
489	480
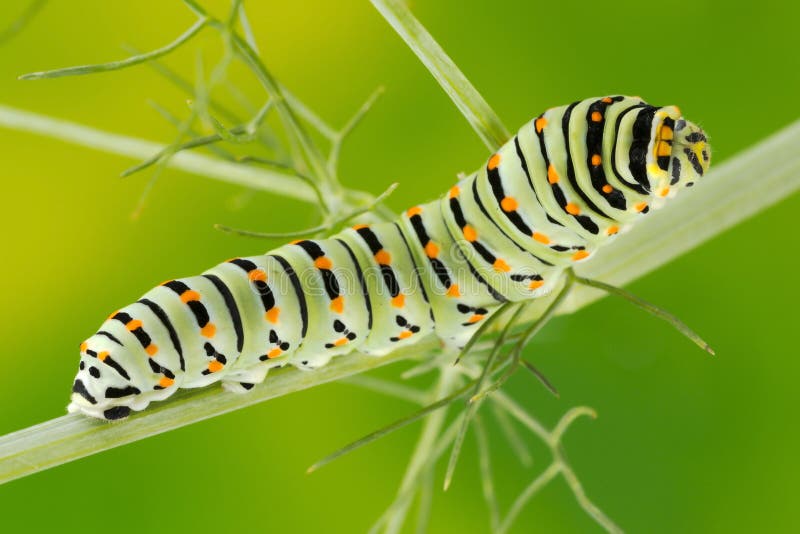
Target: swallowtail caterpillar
568	182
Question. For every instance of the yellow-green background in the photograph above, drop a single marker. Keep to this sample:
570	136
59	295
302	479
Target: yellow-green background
684	443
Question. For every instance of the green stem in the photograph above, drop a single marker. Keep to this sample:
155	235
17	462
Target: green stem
423	451
74	436
122	64
21	21
314	229
313	157
652	309
198	164
388	429
467	99
526	337
532	489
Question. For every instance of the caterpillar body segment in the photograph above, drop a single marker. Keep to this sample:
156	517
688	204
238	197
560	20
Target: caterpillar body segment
569	181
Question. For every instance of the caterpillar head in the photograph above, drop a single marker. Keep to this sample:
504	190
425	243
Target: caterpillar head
680	152
691	154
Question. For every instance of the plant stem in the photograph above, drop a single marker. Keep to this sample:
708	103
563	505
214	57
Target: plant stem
74	436
448	381
467	99
278	183
117	65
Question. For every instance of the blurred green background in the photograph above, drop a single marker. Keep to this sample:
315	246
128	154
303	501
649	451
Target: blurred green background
684	443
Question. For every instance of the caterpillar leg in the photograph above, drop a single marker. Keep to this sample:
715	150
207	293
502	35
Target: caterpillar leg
243	381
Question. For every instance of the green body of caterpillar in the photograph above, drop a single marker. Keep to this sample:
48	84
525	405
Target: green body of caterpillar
565	184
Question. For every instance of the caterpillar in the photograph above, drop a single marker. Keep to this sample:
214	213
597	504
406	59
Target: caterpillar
569	181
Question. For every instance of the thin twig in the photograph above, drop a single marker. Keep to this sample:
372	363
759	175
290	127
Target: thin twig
467	99
389	388
122	64
652	309
22	20
247	29
512	436
532	489
486	473
525	338
540	376
197	139
135	148
472	408
333	158
308	115
324	227
430	445
425	502
400	423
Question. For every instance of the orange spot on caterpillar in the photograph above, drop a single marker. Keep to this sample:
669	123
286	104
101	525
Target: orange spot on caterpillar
509	204
165	382
597	116
536	284
416	210
475	318
453	291
257	275
337	304
552	175
607	189
454	192
274	353
541	238
103	355
596	160
189	295
431	249
133	324
612	230
399	301
666	133
494	162
383	257
469	233
607	100
215	366
323	262
84	346
663	149
272	314
579	255
405	334
539	124
151	349
294	242
664	192
341	341
572	209
360	226
640	206
209	330
501	266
